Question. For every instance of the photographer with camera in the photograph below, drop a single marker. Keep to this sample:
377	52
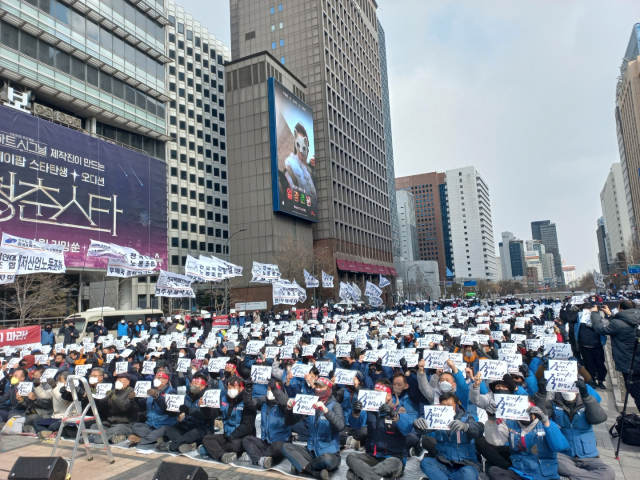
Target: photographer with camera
622	328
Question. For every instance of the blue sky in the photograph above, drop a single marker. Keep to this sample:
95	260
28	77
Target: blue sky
524	91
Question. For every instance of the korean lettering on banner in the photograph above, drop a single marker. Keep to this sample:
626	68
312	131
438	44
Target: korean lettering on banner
383	282
371	399
558	351
14	337
286	352
173	285
211	398
391	358
217	364
183	365
513	361
141	388
121	367
327	280
534	343
265	273
372	290
435	358
200	353
519	323
309	350
518	337
438	417
562	375
271	352
310	281
304	404
497	335
8	265
25	388
372	356
458	360
122	269
509	348
412	359
173	402
469	339
81	370
254	347
148	368
511	407
344	377
324	368
48	373
343	350
101	390
260	374
492	369
300	369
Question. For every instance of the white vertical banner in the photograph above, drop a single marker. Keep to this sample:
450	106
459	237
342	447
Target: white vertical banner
310	281
383	282
327	280
174	285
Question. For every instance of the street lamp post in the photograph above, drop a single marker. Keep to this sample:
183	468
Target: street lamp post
409	293
313	269
226	281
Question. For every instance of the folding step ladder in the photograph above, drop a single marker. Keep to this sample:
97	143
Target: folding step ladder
76	415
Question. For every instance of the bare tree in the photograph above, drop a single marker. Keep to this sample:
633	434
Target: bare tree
509	287
485	288
36	296
586	282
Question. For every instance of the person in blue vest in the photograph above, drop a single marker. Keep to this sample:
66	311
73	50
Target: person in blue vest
123	330
238	421
157	415
47	336
575	414
455	457
321	454
139	328
386	443
534	444
267	449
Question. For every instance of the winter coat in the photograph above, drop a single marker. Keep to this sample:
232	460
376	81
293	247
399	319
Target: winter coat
622	330
121	409
324	428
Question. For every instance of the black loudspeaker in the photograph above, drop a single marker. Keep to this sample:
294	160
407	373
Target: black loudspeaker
39	468
178	471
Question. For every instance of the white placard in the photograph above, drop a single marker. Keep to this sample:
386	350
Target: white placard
211	398
48	373
260	375
304	404
412	359
561	375
254	347
468	339
343	350
558	351
438	417
173	402
513	361
371	399
435	358
148	368
286	352
81	370
183	365
271	352
300	369
324	368
534	343
308	350
200	353
121	367
509	348
344	377
141	389
372	356
492	369
217	364
511	407
25	388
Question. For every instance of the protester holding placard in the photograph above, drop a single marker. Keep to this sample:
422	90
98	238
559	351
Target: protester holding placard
352	437
447	382
193	425
575	414
238	421
456	452
385	446
591	345
533	445
274	431
122	411
60	405
11	397
157	415
39	405
321	453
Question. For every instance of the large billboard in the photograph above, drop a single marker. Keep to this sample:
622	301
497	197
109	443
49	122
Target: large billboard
58	185
293	161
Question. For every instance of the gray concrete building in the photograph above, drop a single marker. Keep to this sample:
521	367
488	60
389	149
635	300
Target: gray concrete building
406	205
332	48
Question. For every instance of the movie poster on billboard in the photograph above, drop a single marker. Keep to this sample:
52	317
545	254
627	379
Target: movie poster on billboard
293	160
65	188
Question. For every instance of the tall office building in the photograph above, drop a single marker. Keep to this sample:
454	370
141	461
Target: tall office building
627	117
470	224
505	255
603	257
545	231
517	258
615	216
97	67
388	141
406	204
198	188
431	217
336	58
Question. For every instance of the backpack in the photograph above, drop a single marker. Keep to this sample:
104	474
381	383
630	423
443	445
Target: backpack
630	426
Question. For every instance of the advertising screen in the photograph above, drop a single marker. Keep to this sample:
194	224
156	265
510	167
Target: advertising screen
293	161
58	185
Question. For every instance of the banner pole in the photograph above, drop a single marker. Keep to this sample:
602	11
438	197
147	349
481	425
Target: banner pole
104	291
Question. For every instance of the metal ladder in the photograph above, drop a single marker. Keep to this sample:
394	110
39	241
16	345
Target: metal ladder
73	417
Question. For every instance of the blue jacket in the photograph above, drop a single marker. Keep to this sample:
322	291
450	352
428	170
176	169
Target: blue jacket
384	438
157	415
47	338
231	413
273	427
124	330
460	448
324	428
534	455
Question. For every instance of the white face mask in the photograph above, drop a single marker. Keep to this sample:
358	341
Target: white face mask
122	322
569	396
93	380
232	393
119	385
181	354
193	370
60	385
270	395
153	324
445	387
157	382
